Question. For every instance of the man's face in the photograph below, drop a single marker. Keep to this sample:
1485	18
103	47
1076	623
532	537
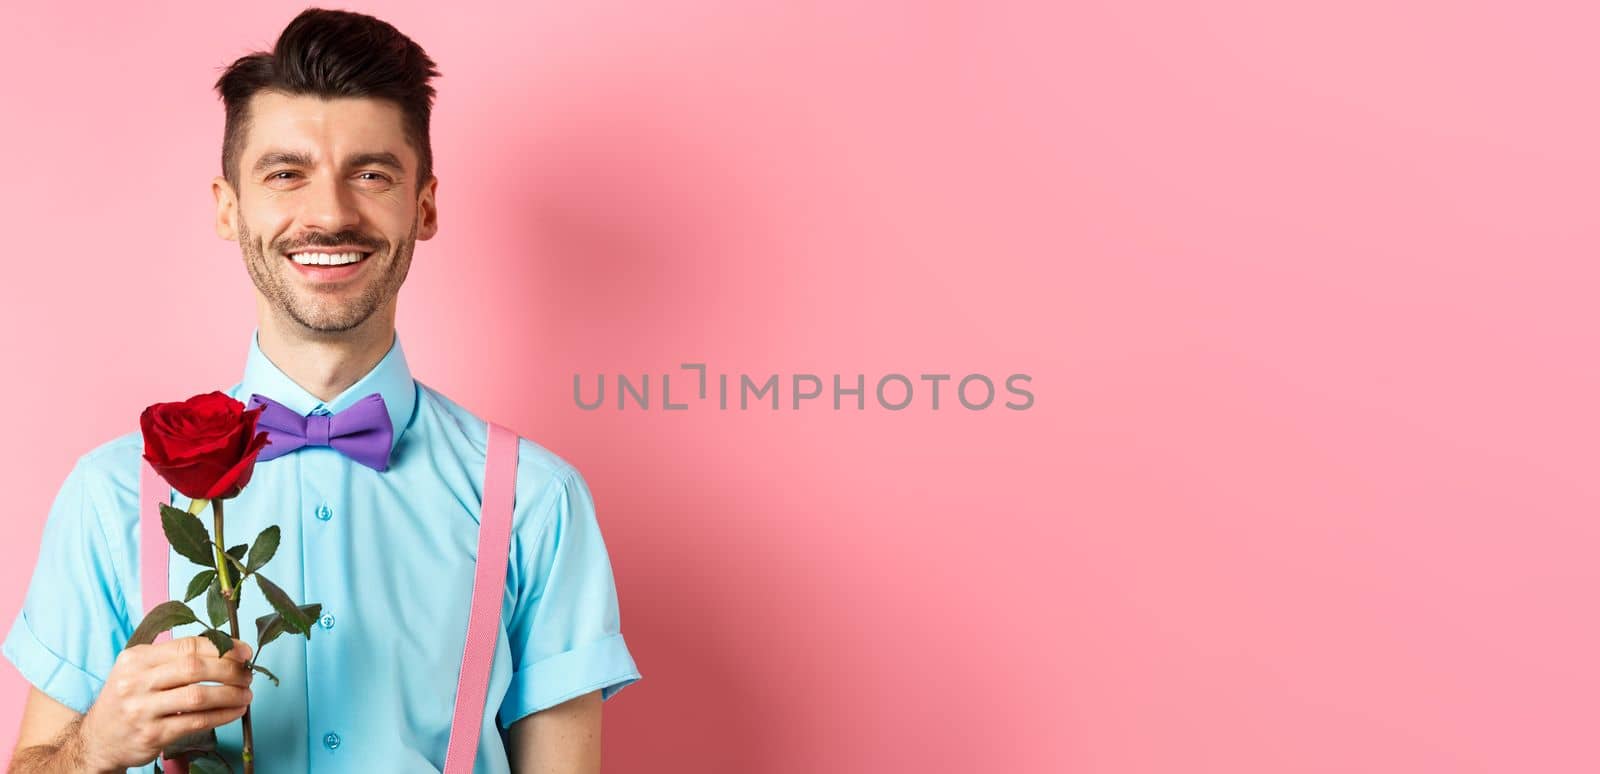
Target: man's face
327	178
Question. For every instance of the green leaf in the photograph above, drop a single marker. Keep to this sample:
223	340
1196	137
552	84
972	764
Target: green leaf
216	604
161	618
265	671
294	618
220	639
208	766
198	585
191	745
269	626
234	557
266	545
196	746
187	535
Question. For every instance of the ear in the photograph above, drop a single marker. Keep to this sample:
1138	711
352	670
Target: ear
227	209
428	210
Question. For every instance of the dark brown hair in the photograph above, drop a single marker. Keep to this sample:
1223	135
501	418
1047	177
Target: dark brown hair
325	53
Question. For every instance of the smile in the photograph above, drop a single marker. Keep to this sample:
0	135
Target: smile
329	265
314	258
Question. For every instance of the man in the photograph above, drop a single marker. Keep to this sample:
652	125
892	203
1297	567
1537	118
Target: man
327	185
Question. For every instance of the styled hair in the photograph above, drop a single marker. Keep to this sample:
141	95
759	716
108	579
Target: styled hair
327	54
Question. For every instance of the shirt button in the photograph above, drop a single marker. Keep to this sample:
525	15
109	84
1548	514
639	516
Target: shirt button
324	512
330	740
326	621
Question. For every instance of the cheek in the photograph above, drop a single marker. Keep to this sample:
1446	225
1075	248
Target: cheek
391	225
263	227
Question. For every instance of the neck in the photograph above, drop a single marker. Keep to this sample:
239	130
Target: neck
325	363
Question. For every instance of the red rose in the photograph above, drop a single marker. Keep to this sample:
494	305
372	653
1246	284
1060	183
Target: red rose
205	447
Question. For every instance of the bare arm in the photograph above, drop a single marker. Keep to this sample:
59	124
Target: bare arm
564	739
49	740
156	694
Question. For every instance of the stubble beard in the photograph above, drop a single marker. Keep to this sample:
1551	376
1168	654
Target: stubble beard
270	275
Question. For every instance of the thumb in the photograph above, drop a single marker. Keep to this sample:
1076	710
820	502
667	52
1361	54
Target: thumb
240	651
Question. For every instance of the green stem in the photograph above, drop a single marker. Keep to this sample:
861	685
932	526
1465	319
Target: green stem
233	623
216	545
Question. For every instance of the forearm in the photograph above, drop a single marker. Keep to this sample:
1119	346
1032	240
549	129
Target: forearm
66	755
564	739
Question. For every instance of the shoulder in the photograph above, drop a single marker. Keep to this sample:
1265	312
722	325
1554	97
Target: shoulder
543	476
108	476
97	506
116	454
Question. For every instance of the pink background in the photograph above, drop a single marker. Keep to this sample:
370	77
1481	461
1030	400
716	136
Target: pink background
1307	292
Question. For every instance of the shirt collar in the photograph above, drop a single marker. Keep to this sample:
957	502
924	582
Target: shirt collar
390	378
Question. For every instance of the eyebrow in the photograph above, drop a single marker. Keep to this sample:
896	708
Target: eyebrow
301	159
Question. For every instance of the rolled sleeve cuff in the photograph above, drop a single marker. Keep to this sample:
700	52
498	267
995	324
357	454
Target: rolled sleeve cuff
55	676
604	665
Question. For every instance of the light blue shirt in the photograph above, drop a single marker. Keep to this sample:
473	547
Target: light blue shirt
390	556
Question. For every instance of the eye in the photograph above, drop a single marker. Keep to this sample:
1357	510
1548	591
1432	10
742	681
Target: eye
274	176
376	176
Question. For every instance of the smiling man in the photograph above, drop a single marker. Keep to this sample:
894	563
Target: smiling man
327	184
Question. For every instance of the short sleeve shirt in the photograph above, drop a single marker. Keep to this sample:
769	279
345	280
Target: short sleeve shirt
390	557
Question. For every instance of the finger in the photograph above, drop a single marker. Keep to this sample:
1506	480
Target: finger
198	697
184	670
175	727
196	645
146	661
155	653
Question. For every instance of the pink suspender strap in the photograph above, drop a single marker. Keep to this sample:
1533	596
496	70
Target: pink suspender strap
153	491
488	593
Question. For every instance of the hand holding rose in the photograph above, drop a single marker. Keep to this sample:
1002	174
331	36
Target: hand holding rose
155	697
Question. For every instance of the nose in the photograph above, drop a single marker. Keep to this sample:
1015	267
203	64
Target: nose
329	205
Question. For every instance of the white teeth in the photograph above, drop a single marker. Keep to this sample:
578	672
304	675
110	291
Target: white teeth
326	259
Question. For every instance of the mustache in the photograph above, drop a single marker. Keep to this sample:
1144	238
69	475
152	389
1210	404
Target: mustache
329	240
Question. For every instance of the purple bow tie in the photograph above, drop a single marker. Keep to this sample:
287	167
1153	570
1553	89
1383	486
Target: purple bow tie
361	432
